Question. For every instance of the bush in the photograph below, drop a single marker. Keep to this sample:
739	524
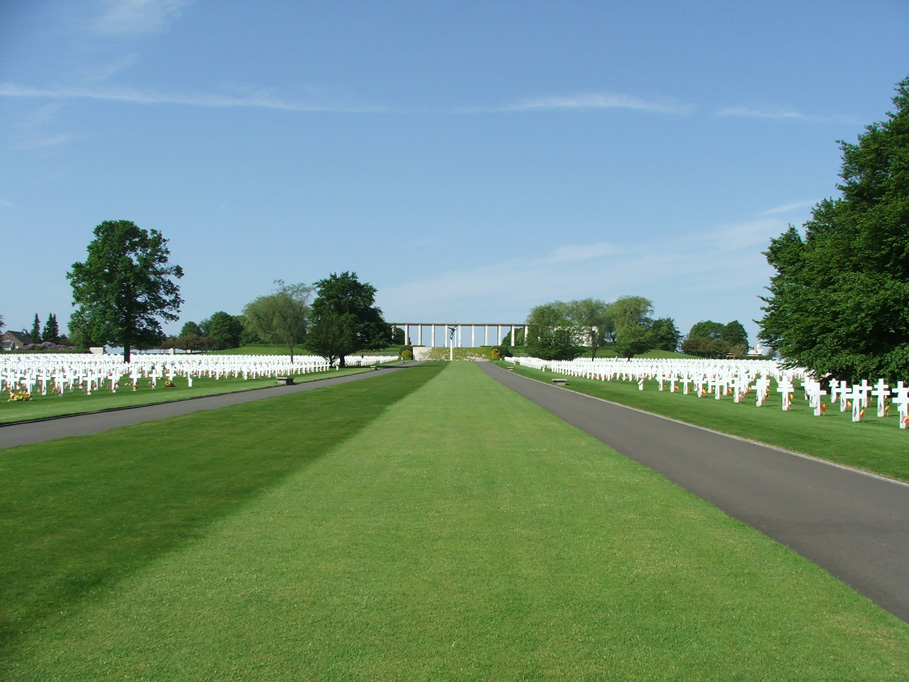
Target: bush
498	352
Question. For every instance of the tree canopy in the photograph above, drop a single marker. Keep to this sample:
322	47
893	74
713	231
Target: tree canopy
562	331
664	335
225	329
551	333
51	331
355	318
191	328
594	319
124	286
709	339
631	311
839	301
281	317
332	336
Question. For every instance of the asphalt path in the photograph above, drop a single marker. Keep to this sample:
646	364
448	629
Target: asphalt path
853	525
26	433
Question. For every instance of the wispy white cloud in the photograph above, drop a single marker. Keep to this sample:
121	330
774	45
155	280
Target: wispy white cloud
38	130
766	113
260	100
797	207
717	272
105	72
592	101
124	18
574	253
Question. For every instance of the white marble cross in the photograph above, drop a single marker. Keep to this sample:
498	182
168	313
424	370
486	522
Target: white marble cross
762	390
844	400
855	397
880	392
814	393
864	389
901	400
784	386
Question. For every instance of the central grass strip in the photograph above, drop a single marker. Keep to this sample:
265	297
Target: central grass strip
78	514
467	534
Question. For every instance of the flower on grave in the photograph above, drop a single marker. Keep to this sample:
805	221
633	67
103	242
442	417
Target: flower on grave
887	409
169	384
823	409
20	396
862	413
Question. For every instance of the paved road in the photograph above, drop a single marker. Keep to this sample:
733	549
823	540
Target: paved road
853	525
79	425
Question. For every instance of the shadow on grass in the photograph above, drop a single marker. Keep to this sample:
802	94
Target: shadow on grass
79	514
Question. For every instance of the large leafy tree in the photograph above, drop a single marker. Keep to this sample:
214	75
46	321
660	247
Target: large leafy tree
709	339
735	337
664	335
631	311
632	325
225	329
839	302
551	333
355	317
191	328
595	319
281	317
332	336
125	286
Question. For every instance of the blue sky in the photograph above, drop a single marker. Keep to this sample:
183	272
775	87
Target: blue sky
470	160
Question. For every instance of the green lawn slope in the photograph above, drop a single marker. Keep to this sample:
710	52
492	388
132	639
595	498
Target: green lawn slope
428	524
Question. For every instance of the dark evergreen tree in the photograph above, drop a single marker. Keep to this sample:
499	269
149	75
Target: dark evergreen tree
839	302
51	333
35	336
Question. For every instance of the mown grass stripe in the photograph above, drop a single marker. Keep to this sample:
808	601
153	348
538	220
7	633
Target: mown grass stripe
78	514
467	534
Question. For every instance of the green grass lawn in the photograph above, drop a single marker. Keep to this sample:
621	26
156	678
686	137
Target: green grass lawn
78	402
875	445
426	524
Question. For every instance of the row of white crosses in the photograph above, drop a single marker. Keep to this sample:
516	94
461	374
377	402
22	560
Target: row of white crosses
738	377
40	373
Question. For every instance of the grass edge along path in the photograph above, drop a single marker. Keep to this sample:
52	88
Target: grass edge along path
873	445
468	534
77	402
79	514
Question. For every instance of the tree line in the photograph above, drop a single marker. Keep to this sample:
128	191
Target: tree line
564	331
127	285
